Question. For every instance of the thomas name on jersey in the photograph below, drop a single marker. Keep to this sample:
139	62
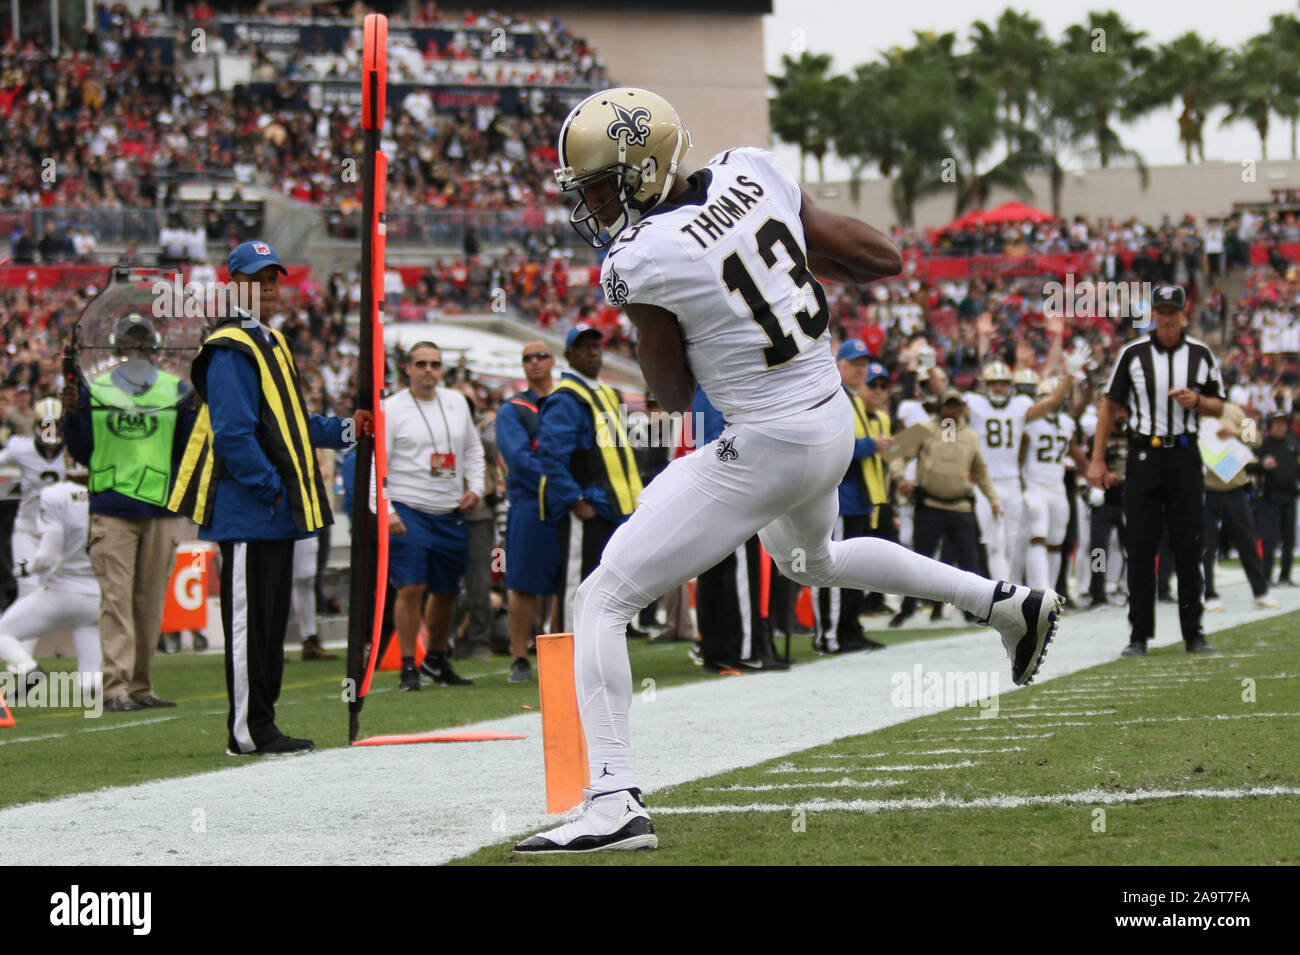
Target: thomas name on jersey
717	217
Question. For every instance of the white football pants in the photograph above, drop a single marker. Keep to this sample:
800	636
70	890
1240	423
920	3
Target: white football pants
29	618
1000	534
778	479
1047	518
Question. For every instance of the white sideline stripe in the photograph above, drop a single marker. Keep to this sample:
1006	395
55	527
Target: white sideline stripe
122	726
31	739
486	793
846	755
845	783
986	739
791	768
1088	797
1018	714
973	752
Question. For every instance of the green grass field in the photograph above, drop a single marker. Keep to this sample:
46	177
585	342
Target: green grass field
1124	728
67	753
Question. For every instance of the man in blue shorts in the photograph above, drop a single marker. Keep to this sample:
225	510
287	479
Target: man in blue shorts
532	546
436	473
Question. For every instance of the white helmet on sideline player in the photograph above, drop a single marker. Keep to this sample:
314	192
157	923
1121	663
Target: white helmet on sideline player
997	373
47	429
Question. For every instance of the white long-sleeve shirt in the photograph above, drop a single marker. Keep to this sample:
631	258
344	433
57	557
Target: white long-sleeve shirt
447	426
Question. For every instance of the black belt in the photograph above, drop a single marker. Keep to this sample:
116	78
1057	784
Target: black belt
1165	442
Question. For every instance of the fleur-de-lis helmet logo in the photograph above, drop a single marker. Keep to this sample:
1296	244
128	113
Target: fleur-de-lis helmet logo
634	124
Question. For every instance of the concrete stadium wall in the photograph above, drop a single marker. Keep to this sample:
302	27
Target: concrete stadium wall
1202	189
708	65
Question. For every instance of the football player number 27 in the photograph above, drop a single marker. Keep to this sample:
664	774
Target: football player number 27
783	347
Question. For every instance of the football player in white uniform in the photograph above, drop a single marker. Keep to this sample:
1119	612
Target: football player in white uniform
40	459
1047	441
67	595
715	270
999	418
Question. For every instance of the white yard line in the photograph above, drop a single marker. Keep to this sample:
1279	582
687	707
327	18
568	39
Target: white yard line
1088	798
792	768
339	806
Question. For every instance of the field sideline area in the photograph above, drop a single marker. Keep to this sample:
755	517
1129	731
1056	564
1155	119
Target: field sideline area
1166	754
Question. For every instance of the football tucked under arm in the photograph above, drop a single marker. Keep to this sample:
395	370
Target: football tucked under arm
662	355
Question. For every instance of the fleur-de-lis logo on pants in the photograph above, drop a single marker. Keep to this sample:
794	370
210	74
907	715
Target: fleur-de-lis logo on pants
634	123
727	449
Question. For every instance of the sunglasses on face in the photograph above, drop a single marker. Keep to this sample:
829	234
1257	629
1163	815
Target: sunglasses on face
427	364
879	383
536	356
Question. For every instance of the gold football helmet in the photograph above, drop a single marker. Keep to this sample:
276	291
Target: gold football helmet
997	372
47	433
632	141
1024	381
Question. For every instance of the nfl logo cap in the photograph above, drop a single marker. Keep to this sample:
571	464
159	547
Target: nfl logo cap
851	349
577	331
1168	296
249	258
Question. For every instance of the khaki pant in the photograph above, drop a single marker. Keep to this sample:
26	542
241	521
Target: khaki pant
133	559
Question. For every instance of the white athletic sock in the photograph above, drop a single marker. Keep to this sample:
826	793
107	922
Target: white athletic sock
603	676
872	563
302	600
12	653
89	652
1036	566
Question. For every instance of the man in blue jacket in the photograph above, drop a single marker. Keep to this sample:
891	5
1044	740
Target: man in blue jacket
532	548
589	479
249	478
836	611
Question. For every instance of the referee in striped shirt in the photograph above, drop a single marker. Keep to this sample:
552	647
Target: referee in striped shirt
1166	381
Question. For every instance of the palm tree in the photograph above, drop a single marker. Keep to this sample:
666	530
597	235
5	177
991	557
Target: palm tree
1284	29
1192	71
976	128
1101	58
806	103
1012	57
1254	85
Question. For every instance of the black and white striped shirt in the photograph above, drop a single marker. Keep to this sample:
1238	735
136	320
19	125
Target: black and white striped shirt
1146	371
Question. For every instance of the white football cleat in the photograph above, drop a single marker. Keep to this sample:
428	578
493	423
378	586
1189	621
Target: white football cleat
1266	603
1027	620
605	822
1214	606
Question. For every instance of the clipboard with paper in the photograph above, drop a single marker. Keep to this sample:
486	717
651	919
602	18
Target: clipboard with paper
1225	457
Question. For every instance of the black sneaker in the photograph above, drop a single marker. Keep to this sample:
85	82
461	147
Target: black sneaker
31	679
441	673
281	745
409	680
1136	648
759	664
900	618
1097	603
520	671
936	614
122	704
1198	645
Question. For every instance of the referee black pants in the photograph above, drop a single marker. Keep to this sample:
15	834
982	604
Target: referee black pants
581	545
1164	488
836	610
960	535
256	583
1277	524
1232	509
727	607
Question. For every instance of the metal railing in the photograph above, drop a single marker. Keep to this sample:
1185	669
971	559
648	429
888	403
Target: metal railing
450	226
120	226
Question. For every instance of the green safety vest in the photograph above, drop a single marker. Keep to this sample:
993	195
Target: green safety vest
133	449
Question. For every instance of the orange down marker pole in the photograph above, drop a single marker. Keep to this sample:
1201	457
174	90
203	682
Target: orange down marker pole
563	741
